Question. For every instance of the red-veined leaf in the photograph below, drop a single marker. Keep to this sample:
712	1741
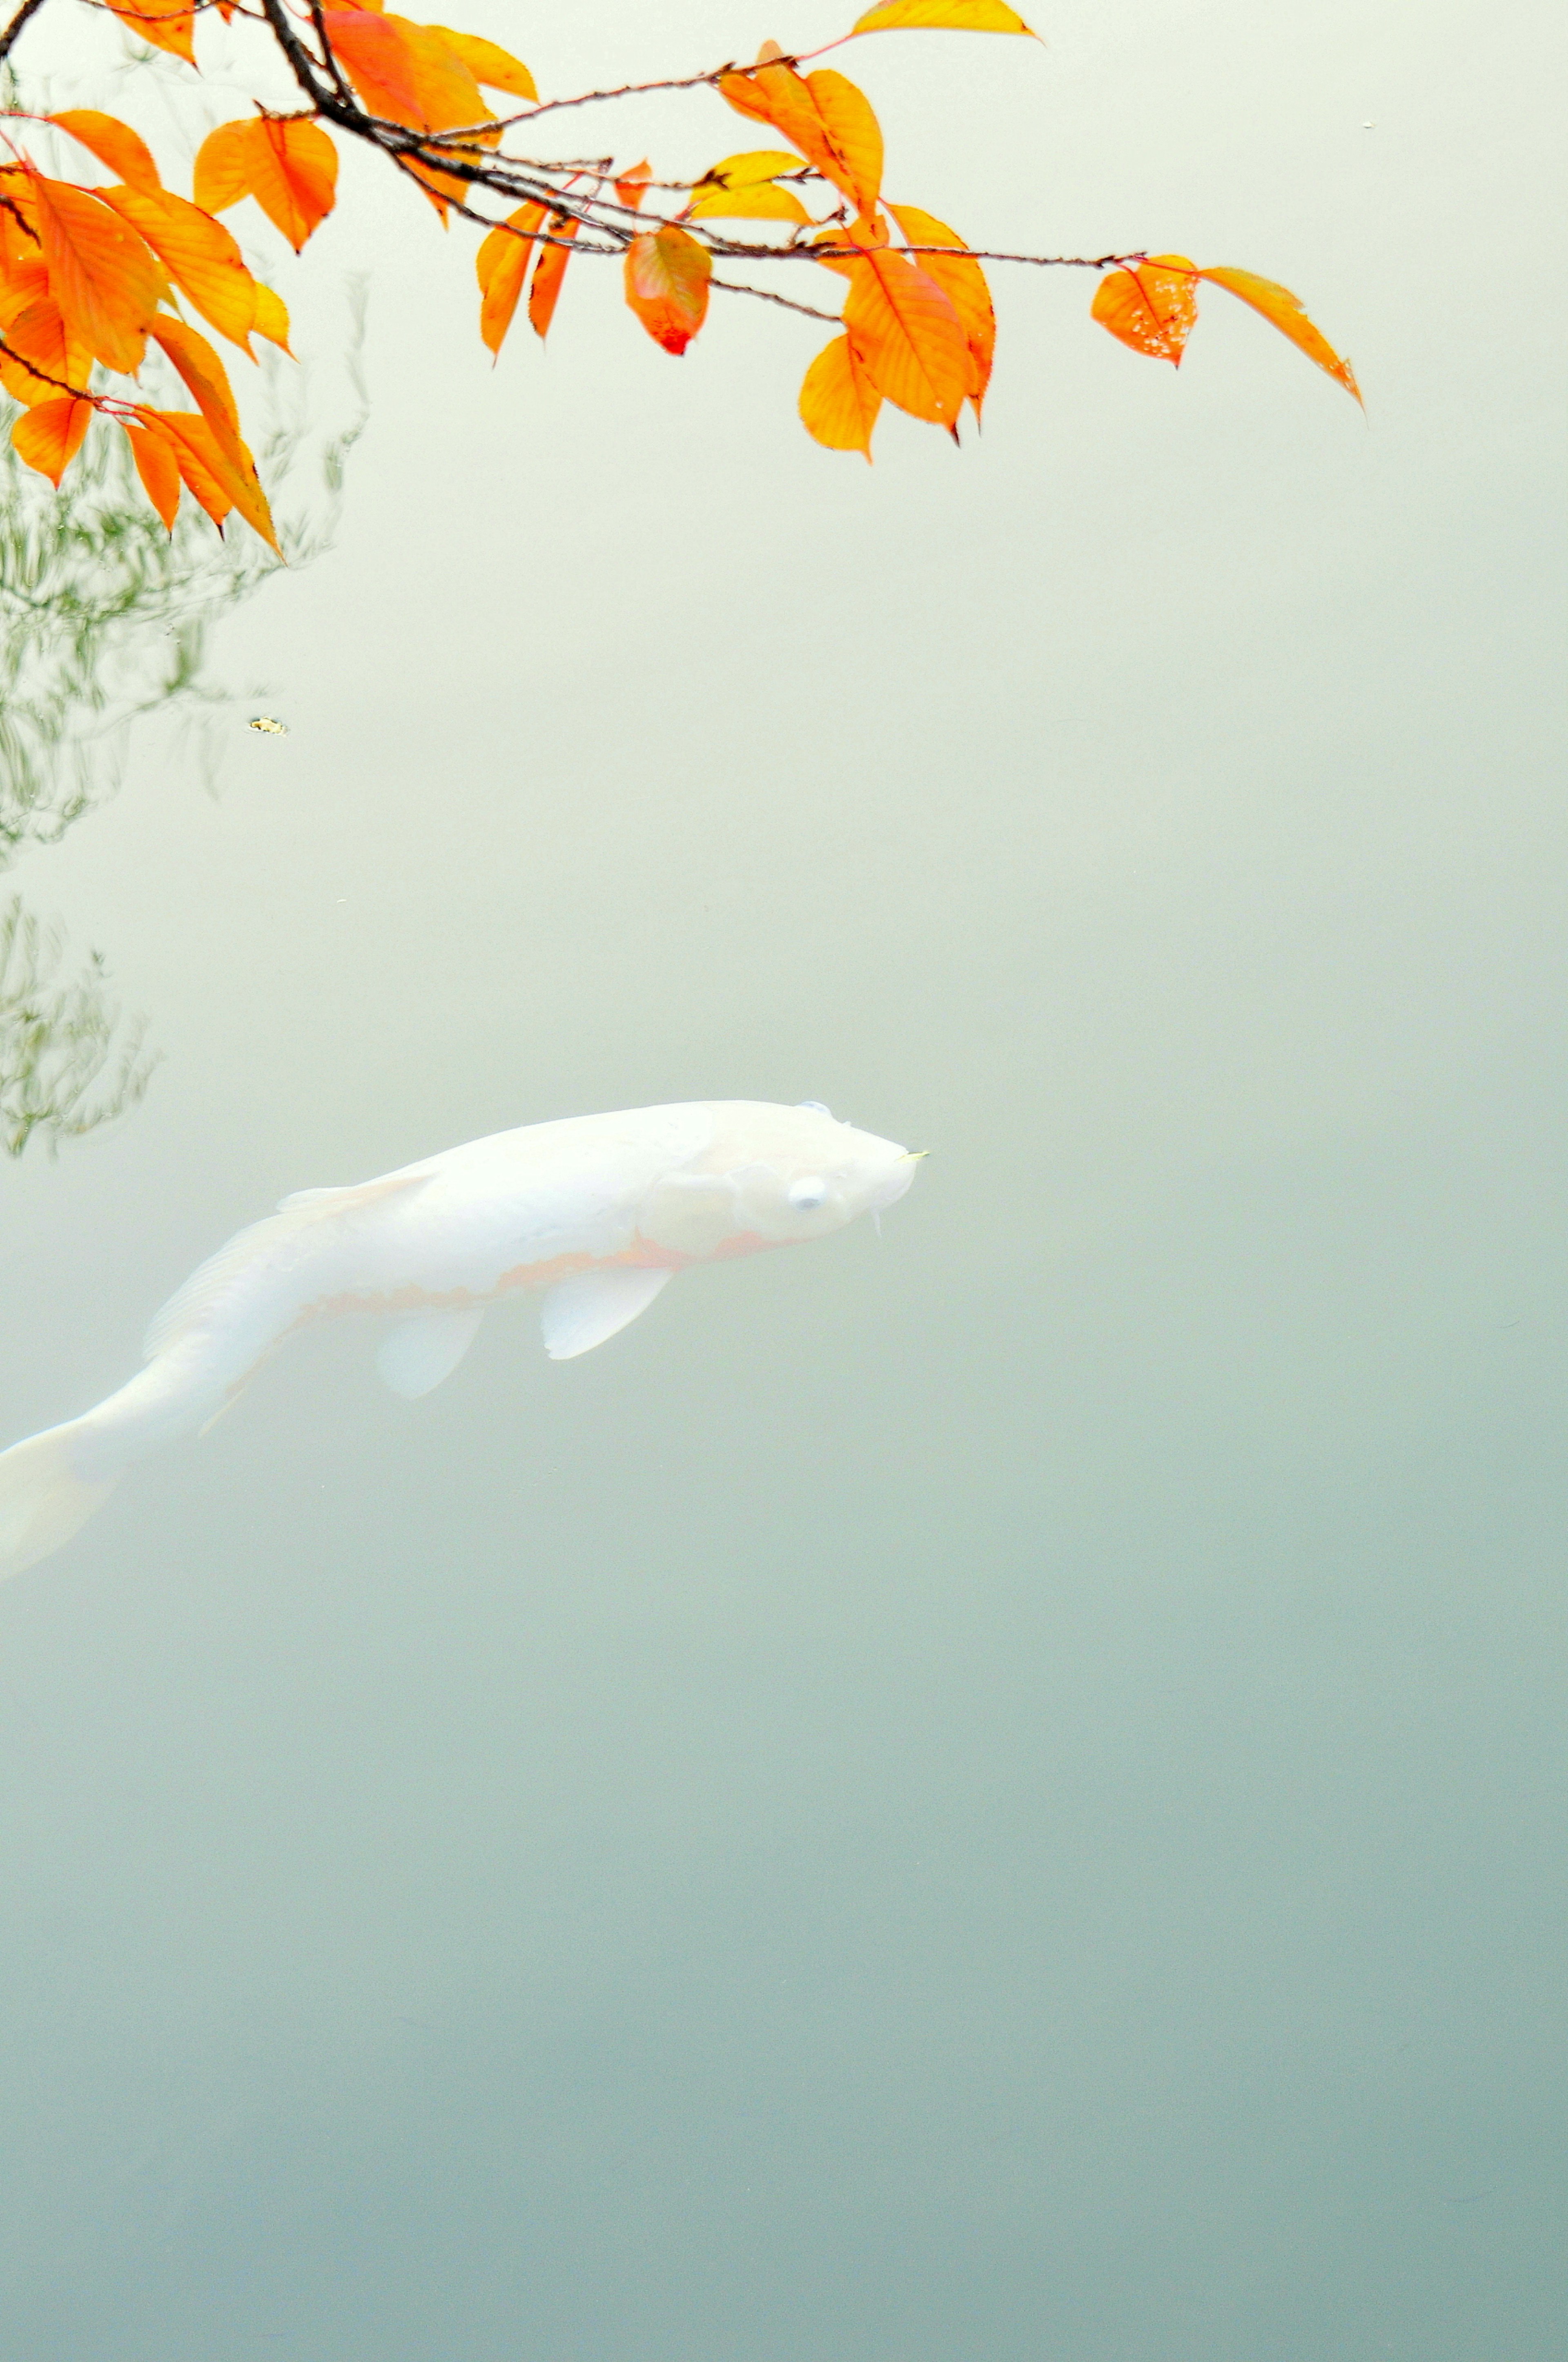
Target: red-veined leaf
162	24
48	437
158	467
497	69
941	16
667	274
839	403
907	334
1277	304
291	172
1151	306
501	265
198	254
548	273
827	118
963	282
104	278
114	143
221	174
272	319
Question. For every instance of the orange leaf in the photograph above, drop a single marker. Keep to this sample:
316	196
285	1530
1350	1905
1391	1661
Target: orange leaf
1151	307
501	265
209	459
839	403
157	468
633	187
963	282
826	117
103	276
36	334
114	143
548	273
272	319
908	337
380	63
497	69
48	438
223	166
198	254
940	16
195	455
1276	304
666	285
206	377
291	172
164	23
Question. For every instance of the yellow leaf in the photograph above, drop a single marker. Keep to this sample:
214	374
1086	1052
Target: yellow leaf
497	69
1277	304
745	172
114	143
963	282
48	438
272	319
1151	306
198	254
839	403
667	273
757	201
501	265
941	16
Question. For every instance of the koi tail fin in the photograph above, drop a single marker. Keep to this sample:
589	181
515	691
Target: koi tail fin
43	1501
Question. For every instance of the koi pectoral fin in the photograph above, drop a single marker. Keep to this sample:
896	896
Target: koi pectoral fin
579	1313
418	1352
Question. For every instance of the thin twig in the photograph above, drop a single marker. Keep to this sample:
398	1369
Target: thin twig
27	8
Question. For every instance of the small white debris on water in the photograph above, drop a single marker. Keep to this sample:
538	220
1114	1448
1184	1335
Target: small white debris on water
273	729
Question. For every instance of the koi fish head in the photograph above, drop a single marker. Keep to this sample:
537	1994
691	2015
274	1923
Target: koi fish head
774	1176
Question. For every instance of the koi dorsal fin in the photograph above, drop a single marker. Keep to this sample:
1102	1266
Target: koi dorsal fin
211	1280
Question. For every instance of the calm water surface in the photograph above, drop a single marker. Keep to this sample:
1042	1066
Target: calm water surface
997	1793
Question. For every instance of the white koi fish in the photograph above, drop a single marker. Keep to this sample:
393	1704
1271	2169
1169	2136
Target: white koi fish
596	1213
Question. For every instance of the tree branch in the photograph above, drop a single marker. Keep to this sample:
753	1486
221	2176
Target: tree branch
27	8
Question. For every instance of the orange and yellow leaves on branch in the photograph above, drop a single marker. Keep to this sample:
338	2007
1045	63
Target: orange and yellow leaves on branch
162	24
286	162
114	143
667	275
825	116
1153	306
104	278
907	334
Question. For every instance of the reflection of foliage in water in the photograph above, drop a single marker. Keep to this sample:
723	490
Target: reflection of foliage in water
105	620
59	1071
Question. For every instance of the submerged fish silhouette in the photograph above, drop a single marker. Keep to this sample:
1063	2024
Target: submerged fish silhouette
598	1212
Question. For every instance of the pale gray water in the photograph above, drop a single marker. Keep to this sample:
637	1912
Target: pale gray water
997	1794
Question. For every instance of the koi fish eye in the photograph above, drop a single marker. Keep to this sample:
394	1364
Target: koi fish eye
809	1193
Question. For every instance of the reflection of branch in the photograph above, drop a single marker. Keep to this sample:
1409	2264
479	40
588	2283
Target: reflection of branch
58	1041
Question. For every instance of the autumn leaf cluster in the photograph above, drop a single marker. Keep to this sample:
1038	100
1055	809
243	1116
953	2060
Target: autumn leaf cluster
92	275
